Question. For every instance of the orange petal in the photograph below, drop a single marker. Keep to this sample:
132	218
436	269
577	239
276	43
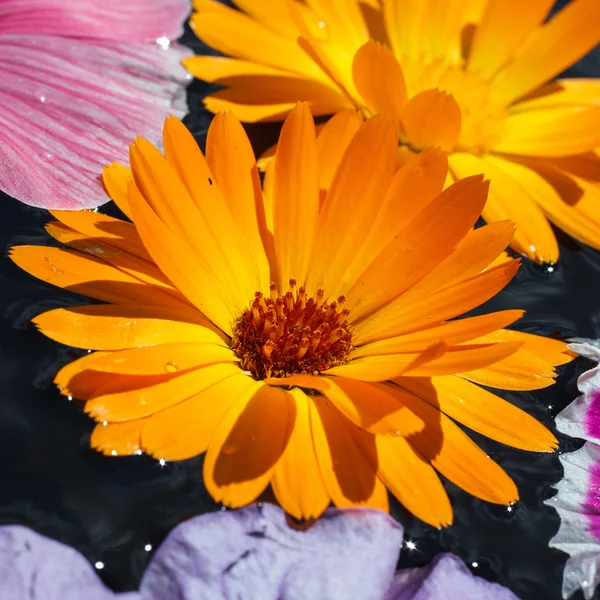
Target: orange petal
332	142
295	196
231	161
88	276
499	34
456	456
431	118
165	358
348	471
297	481
411	189
411	478
418	248
441	305
185	430
554	352
205	222
116	180
118	439
566	38
115	232
143	270
195	278
483	412
367	405
121	326
452	332
144	401
379	80
521	371
553	131
510	199
246	446
354	198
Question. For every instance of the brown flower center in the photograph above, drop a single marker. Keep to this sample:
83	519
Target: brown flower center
291	333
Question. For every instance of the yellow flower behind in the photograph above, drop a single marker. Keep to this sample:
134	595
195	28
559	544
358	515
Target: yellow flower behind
302	336
468	76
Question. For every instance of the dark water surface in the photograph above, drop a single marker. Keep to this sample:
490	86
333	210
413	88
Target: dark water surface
110	509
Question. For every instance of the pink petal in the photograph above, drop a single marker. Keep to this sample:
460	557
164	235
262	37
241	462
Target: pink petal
70	106
106	19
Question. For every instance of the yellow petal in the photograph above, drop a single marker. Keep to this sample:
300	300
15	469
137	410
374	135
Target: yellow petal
431	118
500	34
482	411
567	37
185	430
379	80
562	92
356	193
116	179
367	405
246	446
295	197
510	199
297	481
553	131
118	439
456	456
411	478
121	326
146	400
348	470
233	33
570	201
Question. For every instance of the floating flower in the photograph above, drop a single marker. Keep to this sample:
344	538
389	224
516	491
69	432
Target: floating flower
303	337
470	77
79	80
223	555
578	497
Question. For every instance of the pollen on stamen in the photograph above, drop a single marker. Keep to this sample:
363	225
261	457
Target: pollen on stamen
291	333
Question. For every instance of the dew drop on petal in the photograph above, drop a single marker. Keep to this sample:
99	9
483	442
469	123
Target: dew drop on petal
99	565
228	449
171	367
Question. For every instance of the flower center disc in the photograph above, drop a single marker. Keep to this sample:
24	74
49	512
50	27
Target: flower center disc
292	334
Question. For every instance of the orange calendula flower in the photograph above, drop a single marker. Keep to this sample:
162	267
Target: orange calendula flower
470	76
304	335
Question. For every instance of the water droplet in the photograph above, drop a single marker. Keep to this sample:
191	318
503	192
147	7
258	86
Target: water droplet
223	508
89	351
113	453
42	98
99	565
138	452
162	462
259	504
228	449
164	42
148	547
105	423
48	156
474	564
171	367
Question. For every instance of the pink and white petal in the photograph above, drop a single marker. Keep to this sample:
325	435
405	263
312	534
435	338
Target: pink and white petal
582	417
578	494
578	505
68	107
108	19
